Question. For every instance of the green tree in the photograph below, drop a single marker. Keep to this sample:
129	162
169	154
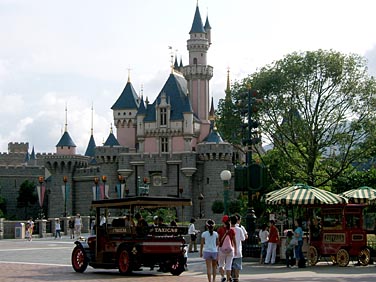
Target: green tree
314	102
228	121
27	196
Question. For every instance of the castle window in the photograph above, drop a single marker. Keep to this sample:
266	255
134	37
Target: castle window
163	115
130	113
164	145
195	61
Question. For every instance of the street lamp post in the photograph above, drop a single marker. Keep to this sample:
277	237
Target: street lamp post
41	180
65	180
200	198
225	176
96	181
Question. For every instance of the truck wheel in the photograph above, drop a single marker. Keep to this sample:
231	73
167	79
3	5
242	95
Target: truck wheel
313	255
343	257
364	256
178	267
124	262
79	259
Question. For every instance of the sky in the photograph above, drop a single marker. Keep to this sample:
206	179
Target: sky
77	54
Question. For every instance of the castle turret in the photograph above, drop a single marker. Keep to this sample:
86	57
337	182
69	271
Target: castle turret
125	110
90	150
66	145
198	73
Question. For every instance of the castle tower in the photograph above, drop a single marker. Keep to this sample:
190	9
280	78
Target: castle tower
90	150
66	145
125	111
198	73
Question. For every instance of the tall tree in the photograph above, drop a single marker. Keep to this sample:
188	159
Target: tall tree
27	196
320	107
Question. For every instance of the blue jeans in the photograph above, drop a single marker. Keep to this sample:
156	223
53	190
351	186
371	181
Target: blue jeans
299	250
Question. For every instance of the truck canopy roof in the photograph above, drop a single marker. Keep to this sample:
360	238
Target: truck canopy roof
142	201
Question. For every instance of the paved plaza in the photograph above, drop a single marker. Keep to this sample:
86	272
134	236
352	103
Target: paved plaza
49	260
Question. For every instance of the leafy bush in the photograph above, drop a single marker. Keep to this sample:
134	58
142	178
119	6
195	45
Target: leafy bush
218	206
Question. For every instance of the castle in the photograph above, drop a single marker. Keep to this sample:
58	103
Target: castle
169	147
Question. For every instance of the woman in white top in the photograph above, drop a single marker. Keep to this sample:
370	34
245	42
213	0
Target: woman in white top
209	249
264	238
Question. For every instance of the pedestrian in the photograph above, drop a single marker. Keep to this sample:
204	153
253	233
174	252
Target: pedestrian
264	239
271	252
161	222
290	245
298	234
155	220
30	228
193	234
226	248
71	227
57	228
173	223
103	220
238	223
237	261
209	249
78	225
142	227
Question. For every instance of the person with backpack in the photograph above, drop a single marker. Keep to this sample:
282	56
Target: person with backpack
227	248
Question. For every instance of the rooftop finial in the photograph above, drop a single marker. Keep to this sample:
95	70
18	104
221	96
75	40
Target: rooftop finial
129	74
111	129
92	119
228	89
171	58
66	118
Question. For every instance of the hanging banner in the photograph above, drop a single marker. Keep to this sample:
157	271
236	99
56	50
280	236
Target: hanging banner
122	190
118	190
41	192
65	191
101	187
106	190
95	192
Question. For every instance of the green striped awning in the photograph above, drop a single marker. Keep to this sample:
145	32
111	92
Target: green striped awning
301	194
361	195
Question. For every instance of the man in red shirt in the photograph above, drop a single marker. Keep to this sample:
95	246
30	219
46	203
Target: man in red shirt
272	244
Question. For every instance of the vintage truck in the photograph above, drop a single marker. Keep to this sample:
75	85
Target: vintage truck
121	245
340	236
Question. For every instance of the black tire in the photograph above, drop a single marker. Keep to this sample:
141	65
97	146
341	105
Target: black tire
79	259
124	261
313	255
364	256
178	266
343	257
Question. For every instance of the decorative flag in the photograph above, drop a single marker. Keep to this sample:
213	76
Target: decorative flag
101	187
41	192
120	190
95	193
65	191
106	190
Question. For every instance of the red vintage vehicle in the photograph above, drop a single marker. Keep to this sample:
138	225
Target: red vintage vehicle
339	235
119	244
